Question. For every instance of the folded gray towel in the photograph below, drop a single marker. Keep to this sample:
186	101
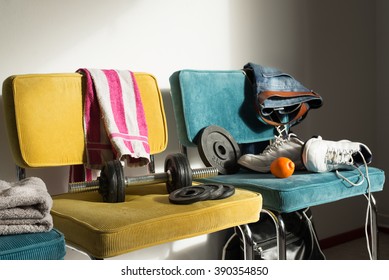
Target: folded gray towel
25	207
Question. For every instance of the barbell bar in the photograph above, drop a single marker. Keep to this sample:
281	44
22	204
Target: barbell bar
112	183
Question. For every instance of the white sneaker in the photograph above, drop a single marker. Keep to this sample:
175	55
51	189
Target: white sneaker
323	156
290	147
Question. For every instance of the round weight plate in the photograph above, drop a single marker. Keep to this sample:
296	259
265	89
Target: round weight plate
217	148
108	183
228	190
216	190
180	171
112	182
188	195
120	181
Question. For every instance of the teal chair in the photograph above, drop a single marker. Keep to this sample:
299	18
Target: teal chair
225	99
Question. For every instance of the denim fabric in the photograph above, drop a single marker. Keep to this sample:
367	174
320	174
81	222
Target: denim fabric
271	79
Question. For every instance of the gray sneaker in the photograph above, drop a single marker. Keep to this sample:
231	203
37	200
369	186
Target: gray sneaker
290	147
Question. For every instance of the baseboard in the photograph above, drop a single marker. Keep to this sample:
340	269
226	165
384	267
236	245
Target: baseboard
346	237
383	229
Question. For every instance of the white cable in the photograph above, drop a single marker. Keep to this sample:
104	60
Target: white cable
369	214
312	230
348	181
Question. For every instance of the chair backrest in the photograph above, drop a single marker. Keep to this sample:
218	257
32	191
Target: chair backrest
224	98
44	117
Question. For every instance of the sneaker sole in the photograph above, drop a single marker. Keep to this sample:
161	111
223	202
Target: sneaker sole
250	166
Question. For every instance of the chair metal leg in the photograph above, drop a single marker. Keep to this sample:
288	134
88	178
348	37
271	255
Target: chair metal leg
247	241
75	248
151	165
280	230
20	173
374	229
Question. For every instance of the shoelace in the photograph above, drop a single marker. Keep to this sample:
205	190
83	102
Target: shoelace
339	156
279	140
343	157
369	214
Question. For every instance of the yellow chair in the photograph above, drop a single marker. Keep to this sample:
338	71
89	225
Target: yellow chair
44	121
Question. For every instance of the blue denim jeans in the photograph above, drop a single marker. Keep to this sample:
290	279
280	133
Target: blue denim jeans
279	95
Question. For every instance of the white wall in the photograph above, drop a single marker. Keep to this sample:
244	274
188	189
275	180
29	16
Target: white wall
330	46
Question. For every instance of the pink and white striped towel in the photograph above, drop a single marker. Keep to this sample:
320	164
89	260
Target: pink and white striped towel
114	122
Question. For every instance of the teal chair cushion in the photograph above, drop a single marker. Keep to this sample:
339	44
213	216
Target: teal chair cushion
303	189
33	246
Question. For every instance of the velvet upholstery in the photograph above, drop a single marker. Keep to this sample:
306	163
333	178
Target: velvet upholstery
303	189
222	98
197	93
103	230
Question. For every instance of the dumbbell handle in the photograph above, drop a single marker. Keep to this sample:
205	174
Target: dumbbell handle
149	179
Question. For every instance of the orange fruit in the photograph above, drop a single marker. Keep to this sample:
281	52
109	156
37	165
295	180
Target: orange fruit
282	167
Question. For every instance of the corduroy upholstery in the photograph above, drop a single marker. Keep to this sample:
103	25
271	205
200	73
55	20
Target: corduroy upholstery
33	246
200	99
101	229
44	118
146	218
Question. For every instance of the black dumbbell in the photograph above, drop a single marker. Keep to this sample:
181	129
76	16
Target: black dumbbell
112	183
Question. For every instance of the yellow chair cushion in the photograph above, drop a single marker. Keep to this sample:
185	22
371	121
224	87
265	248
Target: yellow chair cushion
45	122
145	219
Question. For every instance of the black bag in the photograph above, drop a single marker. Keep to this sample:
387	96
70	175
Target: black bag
301	241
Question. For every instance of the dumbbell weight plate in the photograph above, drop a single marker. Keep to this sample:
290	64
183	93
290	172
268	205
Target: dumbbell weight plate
228	190
112	182
121	182
180	171
190	194
216	190
218	148
219	191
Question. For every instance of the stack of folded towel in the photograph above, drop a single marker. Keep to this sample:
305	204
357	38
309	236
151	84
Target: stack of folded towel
25	207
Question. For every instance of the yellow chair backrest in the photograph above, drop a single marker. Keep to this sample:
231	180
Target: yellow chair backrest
44	116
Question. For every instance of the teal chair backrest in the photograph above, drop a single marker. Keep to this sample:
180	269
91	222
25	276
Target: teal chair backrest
203	98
